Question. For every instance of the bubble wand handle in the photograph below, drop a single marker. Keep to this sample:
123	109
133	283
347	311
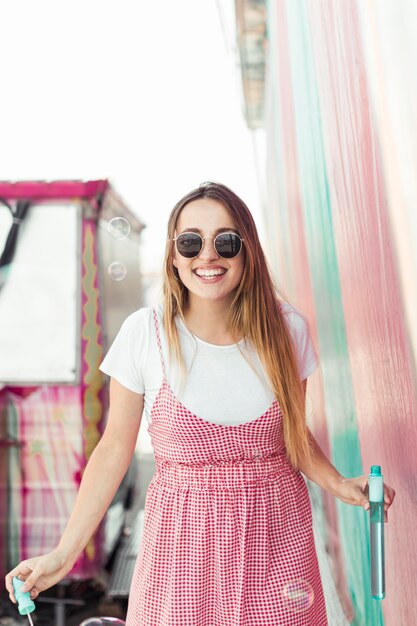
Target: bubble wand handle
25	604
376	501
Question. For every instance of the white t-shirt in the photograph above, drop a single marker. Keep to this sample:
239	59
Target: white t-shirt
220	386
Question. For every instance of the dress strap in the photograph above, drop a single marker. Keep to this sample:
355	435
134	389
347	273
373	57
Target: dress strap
158	339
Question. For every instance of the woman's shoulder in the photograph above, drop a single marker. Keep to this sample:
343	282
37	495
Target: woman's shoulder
288	308
141	319
294	317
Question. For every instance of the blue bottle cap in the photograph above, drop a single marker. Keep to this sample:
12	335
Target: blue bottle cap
376	470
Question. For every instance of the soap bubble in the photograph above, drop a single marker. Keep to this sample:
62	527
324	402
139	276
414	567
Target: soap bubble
102	621
298	595
118	227
117	271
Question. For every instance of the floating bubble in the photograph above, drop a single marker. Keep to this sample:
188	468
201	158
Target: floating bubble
102	621
298	595
117	271
118	227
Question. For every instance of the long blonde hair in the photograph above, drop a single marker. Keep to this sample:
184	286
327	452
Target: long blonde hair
255	313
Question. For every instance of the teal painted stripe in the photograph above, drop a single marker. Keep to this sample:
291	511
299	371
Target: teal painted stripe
339	396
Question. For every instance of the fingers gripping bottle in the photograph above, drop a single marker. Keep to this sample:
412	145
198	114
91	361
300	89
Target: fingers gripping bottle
25	604
376	501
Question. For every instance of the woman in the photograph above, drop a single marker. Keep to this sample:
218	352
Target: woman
220	370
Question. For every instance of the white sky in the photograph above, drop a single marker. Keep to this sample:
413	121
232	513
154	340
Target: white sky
147	94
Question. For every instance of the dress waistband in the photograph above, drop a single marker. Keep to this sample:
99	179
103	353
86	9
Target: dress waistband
220	474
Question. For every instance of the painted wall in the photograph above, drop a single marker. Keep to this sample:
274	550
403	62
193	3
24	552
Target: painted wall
341	96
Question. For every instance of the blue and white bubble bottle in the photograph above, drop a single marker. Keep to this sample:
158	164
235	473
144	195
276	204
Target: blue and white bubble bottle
376	502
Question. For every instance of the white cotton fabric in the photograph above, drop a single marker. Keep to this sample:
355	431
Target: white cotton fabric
220	386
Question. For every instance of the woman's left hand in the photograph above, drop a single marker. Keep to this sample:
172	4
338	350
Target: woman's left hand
355	491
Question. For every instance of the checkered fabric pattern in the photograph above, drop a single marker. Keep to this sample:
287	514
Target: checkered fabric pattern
227	537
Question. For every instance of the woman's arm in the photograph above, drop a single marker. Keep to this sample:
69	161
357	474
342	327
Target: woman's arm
105	468
321	471
349	490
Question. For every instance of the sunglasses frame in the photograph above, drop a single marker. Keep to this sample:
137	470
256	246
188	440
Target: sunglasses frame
189	232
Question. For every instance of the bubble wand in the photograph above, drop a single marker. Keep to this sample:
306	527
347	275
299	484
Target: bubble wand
376	501
25	604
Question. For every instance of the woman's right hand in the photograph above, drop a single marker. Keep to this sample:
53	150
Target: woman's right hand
39	573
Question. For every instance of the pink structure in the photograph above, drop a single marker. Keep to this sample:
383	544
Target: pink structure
49	430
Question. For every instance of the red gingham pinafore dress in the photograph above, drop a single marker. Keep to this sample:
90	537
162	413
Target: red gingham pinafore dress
227	535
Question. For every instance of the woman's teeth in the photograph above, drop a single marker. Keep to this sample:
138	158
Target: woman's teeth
209	272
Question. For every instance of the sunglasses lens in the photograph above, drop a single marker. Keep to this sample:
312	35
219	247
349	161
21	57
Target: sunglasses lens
189	245
228	245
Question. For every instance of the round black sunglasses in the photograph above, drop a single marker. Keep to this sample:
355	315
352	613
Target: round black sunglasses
227	245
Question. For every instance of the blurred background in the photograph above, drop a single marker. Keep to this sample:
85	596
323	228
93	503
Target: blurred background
110	113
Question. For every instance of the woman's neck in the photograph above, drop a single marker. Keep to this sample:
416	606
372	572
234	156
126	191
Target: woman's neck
208	320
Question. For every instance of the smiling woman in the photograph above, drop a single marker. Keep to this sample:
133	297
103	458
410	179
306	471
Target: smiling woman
240	418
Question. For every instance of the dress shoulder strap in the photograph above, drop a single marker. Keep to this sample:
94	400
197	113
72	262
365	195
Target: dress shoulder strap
158	339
